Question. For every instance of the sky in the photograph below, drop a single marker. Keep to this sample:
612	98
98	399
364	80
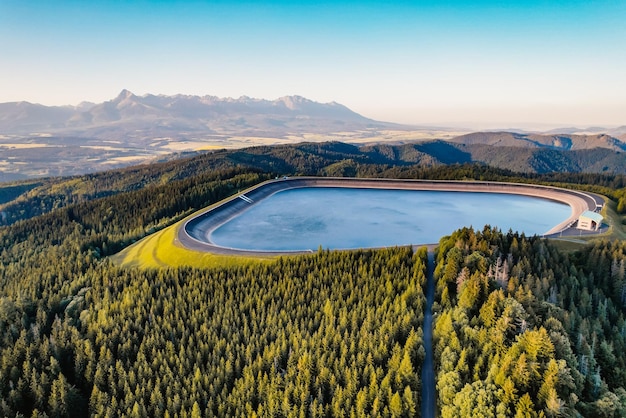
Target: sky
455	63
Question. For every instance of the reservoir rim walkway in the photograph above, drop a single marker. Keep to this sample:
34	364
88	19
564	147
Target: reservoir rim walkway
194	233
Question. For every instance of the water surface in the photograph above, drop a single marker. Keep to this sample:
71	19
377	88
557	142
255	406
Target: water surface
342	218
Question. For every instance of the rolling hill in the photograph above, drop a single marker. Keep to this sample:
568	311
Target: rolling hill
314	334
551	141
26	199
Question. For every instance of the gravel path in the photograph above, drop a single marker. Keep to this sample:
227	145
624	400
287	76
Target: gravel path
428	369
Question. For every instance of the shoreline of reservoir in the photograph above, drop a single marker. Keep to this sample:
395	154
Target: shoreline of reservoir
195	232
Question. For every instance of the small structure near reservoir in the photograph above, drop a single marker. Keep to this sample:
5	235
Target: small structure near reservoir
589	221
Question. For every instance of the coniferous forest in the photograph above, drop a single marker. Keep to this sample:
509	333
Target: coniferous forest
525	331
520	328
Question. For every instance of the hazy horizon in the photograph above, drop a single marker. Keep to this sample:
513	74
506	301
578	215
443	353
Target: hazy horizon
483	64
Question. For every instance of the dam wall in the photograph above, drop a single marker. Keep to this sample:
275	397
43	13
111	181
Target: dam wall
195	232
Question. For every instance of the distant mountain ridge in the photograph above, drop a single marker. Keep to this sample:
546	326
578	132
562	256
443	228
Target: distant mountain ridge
566	142
161	115
39	141
620	130
183	116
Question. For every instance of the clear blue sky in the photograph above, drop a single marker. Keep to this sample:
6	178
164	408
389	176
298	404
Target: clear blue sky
487	63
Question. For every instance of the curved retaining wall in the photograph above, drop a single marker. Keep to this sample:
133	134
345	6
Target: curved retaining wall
195	232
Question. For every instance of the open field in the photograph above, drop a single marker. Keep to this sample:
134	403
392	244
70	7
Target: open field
379	136
121	161
229	141
17	145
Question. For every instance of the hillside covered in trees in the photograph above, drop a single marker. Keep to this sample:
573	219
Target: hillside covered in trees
182	178
523	330
520	329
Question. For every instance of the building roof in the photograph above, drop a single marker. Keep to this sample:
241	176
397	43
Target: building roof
594	216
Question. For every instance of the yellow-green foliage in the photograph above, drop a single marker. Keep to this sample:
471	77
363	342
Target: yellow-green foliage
161	250
75	186
503	348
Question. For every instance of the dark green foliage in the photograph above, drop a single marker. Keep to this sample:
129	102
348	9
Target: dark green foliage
432	160
520	328
528	328
311	335
10	191
109	224
315	335
55	193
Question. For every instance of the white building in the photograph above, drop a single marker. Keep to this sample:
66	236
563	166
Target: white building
589	221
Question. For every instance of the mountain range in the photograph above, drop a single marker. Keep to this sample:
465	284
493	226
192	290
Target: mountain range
562	141
180	116
40	141
129	116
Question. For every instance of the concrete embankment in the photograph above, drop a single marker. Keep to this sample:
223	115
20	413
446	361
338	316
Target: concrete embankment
195	232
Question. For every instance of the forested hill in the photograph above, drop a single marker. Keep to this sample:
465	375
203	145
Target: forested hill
530	154
520	329
23	200
523	329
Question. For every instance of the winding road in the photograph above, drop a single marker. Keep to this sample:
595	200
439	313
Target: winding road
428	369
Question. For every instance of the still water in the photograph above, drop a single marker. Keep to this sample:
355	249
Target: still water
340	218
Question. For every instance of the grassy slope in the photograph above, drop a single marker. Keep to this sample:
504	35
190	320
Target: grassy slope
161	250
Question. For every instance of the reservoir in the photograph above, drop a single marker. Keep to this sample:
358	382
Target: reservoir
301	219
